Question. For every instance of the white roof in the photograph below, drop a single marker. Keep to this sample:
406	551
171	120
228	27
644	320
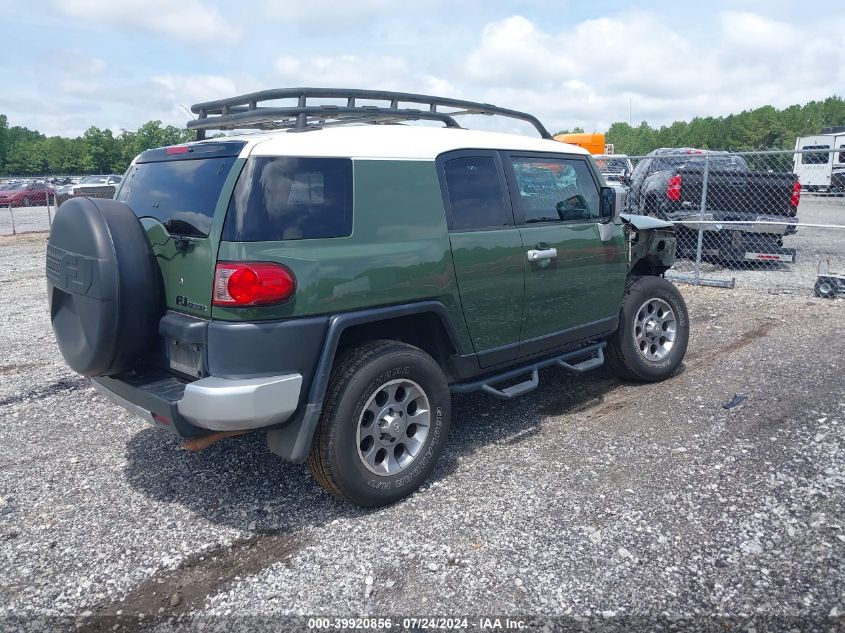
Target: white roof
402	142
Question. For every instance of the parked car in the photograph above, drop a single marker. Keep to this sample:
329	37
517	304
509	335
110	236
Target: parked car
668	184
25	194
332	289
102	186
616	168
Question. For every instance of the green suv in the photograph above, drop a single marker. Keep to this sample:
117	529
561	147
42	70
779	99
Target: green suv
330	276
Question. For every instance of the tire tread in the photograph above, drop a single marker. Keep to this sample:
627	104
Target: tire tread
320	460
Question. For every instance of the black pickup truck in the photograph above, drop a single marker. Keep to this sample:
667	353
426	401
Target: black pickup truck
668	184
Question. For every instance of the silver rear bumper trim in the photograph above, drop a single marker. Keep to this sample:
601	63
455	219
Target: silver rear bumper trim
226	404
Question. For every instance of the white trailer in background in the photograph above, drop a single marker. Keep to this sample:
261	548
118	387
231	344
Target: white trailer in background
815	169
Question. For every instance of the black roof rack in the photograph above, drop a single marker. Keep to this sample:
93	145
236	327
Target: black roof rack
245	111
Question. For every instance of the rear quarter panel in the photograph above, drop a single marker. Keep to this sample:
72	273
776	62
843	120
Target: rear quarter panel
398	251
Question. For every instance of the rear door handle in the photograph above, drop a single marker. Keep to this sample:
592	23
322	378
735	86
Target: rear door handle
535	255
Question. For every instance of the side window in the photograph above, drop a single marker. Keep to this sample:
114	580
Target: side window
815	158
556	189
288	198
475	193
842	153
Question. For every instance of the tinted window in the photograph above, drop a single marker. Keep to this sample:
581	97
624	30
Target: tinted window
475	193
181	194
815	158
286	198
842	153
552	190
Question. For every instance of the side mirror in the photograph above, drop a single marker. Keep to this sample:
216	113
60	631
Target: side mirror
608	204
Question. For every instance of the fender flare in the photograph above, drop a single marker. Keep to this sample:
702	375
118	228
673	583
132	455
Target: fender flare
293	441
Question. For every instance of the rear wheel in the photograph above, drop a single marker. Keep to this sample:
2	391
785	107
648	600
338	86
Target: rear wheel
651	340
384	424
26	201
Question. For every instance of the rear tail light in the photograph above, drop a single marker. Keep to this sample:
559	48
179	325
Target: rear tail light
252	284
796	194
177	149
673	188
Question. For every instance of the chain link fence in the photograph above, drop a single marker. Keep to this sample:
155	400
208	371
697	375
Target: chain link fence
27	205
746	218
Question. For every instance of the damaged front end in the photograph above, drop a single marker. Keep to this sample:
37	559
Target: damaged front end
652	244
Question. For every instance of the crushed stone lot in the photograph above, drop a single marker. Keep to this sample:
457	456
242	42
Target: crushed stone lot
588	497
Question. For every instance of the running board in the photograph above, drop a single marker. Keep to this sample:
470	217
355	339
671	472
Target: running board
487	385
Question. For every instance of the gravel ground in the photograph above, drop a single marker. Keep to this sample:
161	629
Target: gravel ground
25	219
589	497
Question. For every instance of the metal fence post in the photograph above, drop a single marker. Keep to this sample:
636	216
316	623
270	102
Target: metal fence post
12	213
700	244
49	214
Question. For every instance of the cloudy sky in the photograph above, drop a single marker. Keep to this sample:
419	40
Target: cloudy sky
70	64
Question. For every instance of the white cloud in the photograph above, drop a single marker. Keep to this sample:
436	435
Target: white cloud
187	20
346	71
586	75
327	12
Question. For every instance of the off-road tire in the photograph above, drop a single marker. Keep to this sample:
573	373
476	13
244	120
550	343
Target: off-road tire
622	355
359	373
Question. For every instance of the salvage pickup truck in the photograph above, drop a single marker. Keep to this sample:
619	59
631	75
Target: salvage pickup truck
746	213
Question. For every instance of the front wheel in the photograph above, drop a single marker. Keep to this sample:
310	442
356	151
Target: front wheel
384	424
651	340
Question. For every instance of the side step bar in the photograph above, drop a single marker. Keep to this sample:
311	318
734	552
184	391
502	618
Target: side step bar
487	384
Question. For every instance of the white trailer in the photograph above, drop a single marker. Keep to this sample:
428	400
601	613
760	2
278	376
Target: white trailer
816	168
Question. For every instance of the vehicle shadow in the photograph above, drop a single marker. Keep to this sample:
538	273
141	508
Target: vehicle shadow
239	483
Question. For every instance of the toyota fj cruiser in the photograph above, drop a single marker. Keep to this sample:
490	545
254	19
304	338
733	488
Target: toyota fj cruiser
333	278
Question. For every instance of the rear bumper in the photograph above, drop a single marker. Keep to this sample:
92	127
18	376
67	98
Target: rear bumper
209	404
736	245
226	404
711	222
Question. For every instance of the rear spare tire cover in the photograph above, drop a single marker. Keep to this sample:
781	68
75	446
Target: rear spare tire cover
102	286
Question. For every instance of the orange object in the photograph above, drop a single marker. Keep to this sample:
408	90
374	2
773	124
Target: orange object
593	143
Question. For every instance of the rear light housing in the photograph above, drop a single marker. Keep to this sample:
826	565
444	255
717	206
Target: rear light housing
177	149
238	284
796	194
673	188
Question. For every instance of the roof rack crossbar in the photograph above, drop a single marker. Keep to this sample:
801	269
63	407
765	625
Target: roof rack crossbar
245	111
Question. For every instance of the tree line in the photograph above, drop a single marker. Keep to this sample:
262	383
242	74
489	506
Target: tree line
759	129
25	152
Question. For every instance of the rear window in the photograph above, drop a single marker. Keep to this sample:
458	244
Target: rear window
815	158
181	194
288	198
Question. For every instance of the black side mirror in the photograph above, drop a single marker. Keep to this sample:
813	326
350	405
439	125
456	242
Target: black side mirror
608	203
